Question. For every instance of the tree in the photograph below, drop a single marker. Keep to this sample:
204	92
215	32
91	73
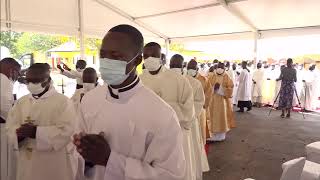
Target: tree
9	39
31	42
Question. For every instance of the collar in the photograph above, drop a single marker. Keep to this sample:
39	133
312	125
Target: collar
124	91
49	93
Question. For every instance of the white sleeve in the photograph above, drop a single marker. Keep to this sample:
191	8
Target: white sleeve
186	104
164	158
59	135
199	100
6	99
72	74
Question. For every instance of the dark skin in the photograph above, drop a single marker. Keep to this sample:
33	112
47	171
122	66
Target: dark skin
176	62
10	71
94	148
152	51
79	64
29	130
217	85
192	65
89	77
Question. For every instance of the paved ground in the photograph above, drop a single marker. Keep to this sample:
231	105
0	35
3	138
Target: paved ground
260	144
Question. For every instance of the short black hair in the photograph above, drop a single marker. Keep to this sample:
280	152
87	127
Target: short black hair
40	68
134	34
10	61
215	61
153	44
177	56
290	61
82	63
89	70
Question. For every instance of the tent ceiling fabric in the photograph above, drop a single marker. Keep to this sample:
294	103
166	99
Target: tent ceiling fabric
185	18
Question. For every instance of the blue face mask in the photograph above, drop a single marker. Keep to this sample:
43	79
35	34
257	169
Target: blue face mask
113	72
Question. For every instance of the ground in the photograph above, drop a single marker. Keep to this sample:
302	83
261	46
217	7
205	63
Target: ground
260	144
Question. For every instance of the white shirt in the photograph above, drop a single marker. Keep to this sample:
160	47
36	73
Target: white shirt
44	157
74	75
6	96
142	130
258	77
244	88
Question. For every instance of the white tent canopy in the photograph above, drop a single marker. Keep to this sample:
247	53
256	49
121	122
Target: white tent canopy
160	20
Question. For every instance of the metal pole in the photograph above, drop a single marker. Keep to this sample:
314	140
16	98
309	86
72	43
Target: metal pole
167	45
255	48
81	33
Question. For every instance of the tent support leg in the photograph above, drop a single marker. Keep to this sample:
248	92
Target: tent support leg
81	33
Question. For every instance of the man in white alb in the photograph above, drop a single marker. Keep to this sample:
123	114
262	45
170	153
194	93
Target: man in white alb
39	127
175	90
9	72
128	132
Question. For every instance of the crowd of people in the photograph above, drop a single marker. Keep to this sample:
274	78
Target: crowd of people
264	84
149	126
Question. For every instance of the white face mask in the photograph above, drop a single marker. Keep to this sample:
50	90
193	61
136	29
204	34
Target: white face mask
152	63
35	89
177	70
192	72
220	71
79	70
88	86
113	71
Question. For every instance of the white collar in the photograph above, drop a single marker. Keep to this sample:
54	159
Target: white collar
49	93
125	93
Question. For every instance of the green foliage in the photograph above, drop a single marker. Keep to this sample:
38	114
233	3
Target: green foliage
9	39
30	42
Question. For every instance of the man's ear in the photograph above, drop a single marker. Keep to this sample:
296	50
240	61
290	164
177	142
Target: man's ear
138	60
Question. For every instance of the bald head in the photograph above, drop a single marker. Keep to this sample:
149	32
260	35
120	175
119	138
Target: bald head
176	61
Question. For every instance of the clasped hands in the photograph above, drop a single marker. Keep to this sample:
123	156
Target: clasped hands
93	148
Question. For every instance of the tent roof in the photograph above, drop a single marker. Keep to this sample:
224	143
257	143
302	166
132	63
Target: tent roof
165	19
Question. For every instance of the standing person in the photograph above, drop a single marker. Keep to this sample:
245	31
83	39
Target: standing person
203	116
175	90
80	66
9	72
235	84
90	81
39	127
310	80
258	78
288	77
127	131
244	89
199	102
221	114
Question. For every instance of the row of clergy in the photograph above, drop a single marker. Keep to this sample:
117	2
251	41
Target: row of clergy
264	87
152	126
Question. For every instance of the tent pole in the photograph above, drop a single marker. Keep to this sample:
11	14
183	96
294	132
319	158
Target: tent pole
81	33
167	45
255	48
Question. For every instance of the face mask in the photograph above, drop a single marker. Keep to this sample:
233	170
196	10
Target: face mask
113	72
35	89
79	70
177	70
192	72
220	71
152	63
88	86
